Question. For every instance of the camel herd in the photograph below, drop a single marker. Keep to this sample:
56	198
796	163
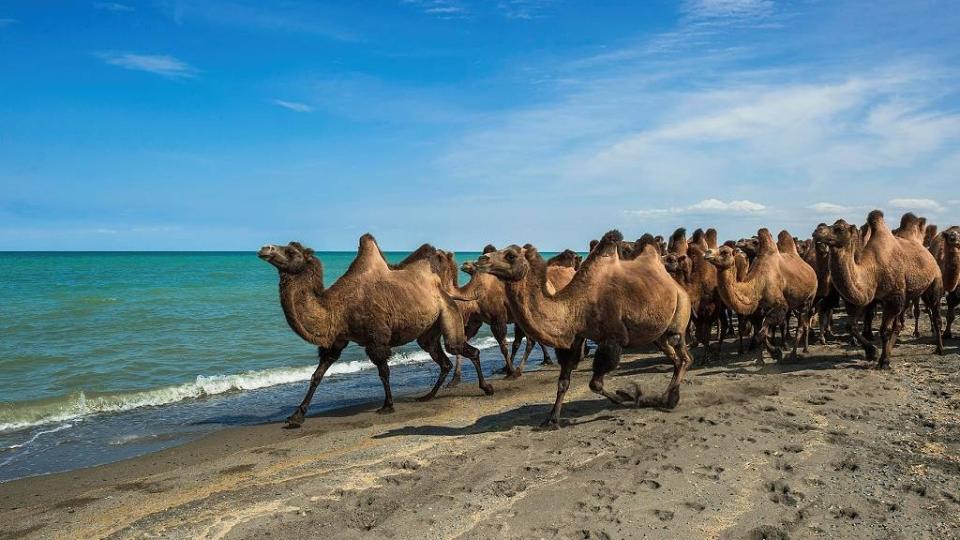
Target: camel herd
624	294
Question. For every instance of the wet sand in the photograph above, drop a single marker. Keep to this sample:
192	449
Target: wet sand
820	447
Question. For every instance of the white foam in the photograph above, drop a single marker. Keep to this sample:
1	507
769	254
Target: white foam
79	405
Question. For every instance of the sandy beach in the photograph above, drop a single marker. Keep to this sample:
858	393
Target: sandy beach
821	447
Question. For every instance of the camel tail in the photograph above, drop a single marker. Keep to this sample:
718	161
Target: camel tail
786	244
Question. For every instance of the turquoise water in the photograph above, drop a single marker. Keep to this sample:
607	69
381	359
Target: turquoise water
108	355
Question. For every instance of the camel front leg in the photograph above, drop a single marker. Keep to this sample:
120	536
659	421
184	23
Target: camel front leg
953	298
327	357
931	300
889	328
568	359
499	331
773	319
605	360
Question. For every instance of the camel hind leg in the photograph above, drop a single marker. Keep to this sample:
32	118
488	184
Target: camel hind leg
379	355
430	342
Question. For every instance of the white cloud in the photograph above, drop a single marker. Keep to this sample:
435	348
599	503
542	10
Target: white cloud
706	206
105	231
916	204
113	6
164	65
829	208
293	105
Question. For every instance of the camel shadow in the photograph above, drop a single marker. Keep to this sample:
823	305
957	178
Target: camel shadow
574	413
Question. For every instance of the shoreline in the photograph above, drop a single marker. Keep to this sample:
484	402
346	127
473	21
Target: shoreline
812	447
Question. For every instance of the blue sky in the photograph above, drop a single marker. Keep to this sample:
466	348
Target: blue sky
216	124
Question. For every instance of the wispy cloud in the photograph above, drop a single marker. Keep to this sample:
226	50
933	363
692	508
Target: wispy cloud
929	205
523	9
706	206
113	6
293	105
443	9
159	64
728	9
6	21
313	18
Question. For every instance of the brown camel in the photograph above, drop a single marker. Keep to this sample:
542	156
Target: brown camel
699	279
612	302
487	305
778	281
890	270
373	305
827	298
945	248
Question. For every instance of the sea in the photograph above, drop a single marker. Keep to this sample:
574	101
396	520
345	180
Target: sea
110	355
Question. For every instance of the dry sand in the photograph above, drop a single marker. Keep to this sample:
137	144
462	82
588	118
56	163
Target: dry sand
821	447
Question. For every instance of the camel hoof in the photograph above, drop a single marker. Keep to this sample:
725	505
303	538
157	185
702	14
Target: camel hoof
548	362
294	421
871	352
421	399
883	366
453	382
947	335
487	389
550	423
386	409
625	396
514	375
672	398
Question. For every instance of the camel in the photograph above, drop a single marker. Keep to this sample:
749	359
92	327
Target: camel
487	306
827	298
778	281
945	248
890	270
613	302
699	279
373	305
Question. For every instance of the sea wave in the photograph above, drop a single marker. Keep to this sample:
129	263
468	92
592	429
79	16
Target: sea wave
79	405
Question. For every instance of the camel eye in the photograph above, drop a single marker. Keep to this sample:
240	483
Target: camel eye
510	256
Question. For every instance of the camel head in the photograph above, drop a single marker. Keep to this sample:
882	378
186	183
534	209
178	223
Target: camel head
292	258
951	237
677	264
508	264
750	246
567	258
469	267
840	234
723	257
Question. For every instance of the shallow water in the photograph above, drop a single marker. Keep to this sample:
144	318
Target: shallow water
110	355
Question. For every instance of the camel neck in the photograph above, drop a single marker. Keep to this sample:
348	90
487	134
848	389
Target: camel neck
849	278
300	299
740	296
951	269
544	319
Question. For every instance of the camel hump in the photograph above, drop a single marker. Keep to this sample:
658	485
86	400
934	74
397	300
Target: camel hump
929	233
786	243
875	218
489	248
607	245
698	236
711	237
593	244
678	242
426	251
767	245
